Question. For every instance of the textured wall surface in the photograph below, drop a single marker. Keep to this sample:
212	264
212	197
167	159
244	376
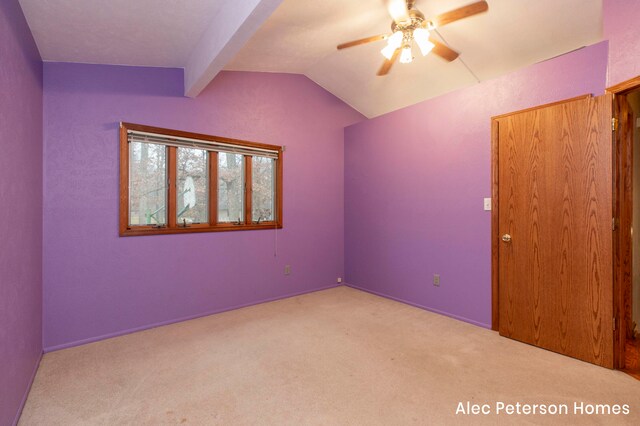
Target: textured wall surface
98	284
415	180
621	20
20	209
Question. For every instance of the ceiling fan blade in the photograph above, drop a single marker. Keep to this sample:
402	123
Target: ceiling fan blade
388	63
362	41
460	13
444	51
398	10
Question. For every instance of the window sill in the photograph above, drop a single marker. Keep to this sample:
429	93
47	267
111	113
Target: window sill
148	230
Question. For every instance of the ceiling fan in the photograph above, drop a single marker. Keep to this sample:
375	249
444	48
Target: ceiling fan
410	25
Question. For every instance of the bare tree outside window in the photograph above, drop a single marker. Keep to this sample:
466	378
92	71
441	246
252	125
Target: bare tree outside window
147	184
263	195
230	187
192	197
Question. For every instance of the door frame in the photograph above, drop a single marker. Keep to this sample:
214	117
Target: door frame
622	213
495	206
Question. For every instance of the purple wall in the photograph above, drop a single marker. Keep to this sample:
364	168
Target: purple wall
21	210
415	180
621	22
97	284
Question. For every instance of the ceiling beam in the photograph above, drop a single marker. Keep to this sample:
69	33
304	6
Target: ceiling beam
233	26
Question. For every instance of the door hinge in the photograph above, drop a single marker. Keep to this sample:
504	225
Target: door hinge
613	224
614	124
614	323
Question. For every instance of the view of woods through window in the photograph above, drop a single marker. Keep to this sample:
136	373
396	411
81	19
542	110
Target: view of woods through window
263	175
230	187
175	182
193	188
148	184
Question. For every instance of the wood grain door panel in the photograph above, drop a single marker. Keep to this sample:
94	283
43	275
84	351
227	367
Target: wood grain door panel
554	183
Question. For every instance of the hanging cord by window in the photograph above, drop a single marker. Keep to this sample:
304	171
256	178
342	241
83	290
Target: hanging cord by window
275	222
459	57
275	242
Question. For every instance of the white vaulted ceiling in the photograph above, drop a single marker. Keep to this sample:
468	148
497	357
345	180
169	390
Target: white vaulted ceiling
301	37
200	36
156	33
203	36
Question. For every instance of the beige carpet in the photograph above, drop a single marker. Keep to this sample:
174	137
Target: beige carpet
335	357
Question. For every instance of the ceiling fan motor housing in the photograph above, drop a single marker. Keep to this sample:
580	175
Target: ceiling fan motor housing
417	21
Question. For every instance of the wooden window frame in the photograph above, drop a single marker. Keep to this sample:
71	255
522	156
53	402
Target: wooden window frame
213	225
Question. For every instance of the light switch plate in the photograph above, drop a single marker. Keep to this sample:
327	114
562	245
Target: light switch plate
487	204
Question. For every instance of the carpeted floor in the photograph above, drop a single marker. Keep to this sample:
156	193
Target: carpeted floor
335	357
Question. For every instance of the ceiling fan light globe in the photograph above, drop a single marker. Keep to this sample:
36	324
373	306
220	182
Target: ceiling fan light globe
395	39
406	57
387	52
393	43
421	34
398	10
425	47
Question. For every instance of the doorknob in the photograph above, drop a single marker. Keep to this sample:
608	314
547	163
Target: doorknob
506	238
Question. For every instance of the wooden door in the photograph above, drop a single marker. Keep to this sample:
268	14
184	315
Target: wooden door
554	219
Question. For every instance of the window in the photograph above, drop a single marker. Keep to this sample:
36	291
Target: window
231	173
180	182
263	184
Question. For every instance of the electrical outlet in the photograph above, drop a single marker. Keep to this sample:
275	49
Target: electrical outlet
339	280
436	280
287	269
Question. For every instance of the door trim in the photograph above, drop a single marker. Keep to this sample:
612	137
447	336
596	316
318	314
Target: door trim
625	86
621	193
495	225
495	205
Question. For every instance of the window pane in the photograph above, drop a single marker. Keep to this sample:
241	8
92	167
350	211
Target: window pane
193	188
147	184
263	187
230	187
